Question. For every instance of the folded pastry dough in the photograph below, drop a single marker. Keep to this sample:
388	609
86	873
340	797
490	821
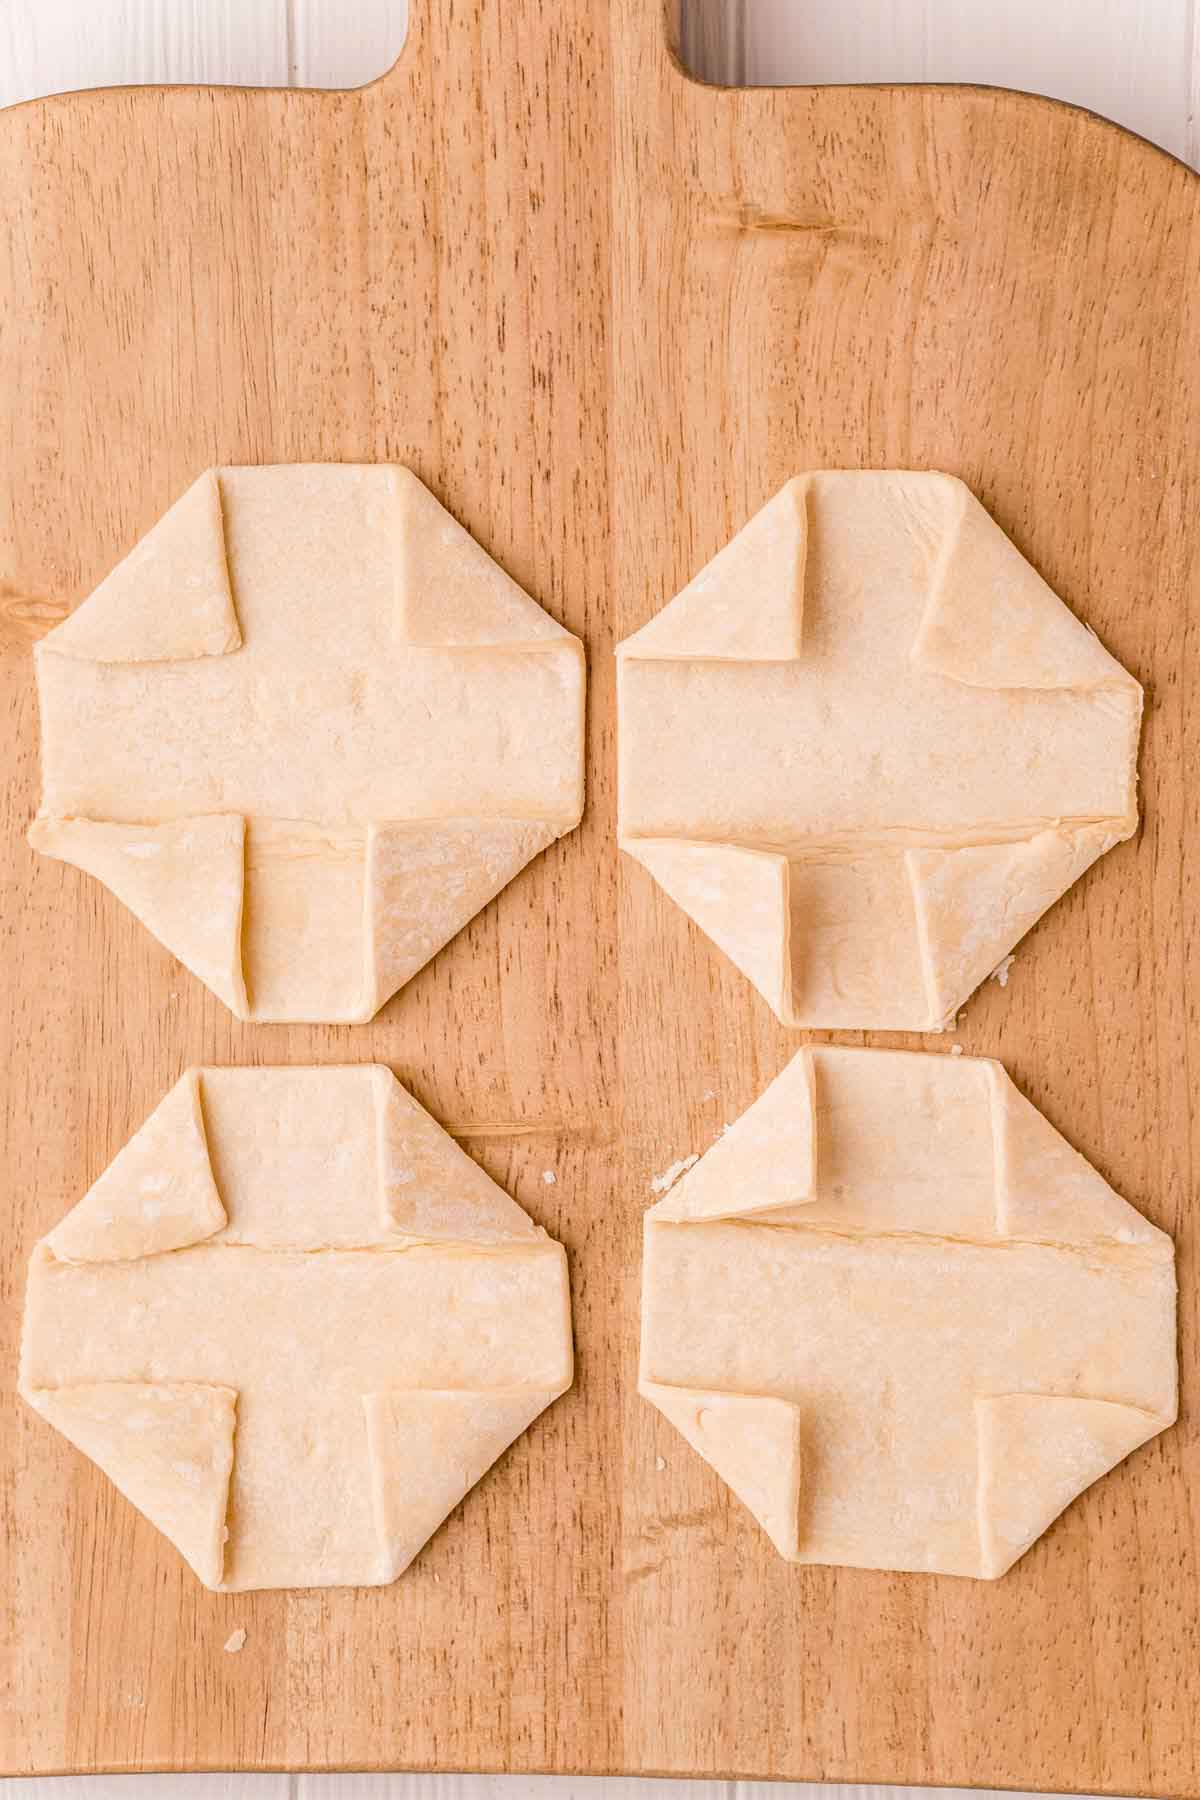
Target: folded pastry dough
901	1318
305	731
867	747
294	1323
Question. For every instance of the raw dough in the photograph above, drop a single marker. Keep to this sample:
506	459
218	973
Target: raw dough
295	1323
902	1319
305	731
867	747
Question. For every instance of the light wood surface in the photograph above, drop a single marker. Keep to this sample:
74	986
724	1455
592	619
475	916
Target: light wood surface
1001	288
1136	61
226	276
968	280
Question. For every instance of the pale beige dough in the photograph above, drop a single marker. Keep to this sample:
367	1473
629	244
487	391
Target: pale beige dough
294	1323
867	747
305	731
902	1319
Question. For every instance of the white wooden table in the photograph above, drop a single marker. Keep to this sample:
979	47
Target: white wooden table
1138	61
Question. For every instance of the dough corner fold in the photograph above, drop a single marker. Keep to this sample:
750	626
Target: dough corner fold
710	620
974	903
294	1324
1045	1190
902	1318
992	621
450	593
167	1448
1038	1453
157	1194
738	897
430	1189
425	881
887	803
428	1450
305	731
779	1132
753	1442
169	600
184	879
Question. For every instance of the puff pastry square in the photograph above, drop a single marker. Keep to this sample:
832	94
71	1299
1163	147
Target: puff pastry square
901	1317
305	731
867	747
294	1323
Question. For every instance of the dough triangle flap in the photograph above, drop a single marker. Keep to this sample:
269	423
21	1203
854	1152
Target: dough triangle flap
991	621
169	600
738	898
157	1194
753	1443
183	879
450	594
1046	1191
764	1165
430	1189
1037	1453
427	1449
167	1448
974	903
747	604
427	879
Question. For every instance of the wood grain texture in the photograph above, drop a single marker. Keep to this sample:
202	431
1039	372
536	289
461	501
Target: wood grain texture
1001	288
423	271
291	276
1135	61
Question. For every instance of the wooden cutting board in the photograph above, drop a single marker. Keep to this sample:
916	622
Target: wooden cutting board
604	312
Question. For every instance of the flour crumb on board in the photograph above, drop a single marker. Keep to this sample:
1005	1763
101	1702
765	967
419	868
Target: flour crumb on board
956	1049
670	1176
235	1640
549	1177
1000	972
660	1463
